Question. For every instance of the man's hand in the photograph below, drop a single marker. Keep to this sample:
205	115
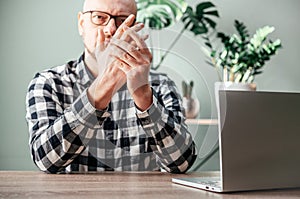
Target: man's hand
136	64
124	58
110	78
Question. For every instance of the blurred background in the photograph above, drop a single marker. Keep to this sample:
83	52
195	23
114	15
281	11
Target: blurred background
39	34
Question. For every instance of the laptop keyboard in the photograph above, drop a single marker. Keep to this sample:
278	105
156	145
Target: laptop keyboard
210	181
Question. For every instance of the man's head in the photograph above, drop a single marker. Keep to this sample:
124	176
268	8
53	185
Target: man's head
113	11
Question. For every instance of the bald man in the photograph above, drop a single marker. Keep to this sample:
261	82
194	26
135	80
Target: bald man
107	111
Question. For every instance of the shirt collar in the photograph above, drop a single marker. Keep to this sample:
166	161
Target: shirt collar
83	73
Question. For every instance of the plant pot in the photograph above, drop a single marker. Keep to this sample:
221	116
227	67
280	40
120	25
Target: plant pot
232	86
235	86
191	107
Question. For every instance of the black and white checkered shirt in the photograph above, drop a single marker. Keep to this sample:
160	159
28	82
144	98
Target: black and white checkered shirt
67	134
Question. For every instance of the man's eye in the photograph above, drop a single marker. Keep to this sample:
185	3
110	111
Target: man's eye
98	17
122	20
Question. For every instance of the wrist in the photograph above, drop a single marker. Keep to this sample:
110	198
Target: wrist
100	102
143	97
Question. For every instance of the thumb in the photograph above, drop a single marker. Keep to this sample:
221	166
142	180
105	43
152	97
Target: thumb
100	40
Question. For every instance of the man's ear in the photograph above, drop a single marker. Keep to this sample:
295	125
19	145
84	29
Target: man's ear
80	23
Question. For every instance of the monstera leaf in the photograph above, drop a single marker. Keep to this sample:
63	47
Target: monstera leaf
158	14
200	20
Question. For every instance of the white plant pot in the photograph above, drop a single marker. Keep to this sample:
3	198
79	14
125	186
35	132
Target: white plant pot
235	86
231	86
191	106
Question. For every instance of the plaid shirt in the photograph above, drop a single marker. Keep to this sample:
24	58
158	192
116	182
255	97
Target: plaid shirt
67	134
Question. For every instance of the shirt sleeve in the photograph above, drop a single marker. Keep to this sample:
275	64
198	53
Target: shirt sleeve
168	135
58	135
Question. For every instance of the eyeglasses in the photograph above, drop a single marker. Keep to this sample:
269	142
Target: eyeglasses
100	18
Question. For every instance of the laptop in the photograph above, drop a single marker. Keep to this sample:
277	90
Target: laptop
259	143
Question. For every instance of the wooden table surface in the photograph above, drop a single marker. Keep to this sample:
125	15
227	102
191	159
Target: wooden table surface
142	185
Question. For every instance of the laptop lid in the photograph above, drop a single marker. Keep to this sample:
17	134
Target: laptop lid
259	140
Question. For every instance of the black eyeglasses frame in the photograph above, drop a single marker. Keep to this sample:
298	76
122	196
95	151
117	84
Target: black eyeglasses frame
115	17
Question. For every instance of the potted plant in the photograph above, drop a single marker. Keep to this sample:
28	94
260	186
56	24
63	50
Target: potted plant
190	103
159	14
241	57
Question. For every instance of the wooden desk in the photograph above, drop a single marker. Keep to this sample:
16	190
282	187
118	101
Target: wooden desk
142	185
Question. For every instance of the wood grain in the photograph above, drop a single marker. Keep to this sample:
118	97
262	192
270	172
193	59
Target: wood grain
142	185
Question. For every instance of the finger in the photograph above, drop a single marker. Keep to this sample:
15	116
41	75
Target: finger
128	22
138	52
126	59
132	42
123	45
100	40
130	62
117	51
140	43
123	65
137	27
132	55
145	37
126	48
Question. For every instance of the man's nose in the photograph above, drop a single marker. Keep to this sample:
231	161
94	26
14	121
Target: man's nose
110	28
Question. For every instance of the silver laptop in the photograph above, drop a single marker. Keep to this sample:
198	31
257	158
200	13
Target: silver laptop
259	142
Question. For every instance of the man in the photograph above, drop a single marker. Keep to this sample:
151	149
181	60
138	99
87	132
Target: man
107	111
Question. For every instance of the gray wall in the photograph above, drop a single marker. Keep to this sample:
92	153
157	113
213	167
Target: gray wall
36	35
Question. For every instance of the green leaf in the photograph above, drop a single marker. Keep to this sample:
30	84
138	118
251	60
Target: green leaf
250	79
242	31
246	75
208	44
260	36
213	53
224	54
214	13
197	30
257	72
203	6
158	14
277	43
200	18
210	22
236	68
238	77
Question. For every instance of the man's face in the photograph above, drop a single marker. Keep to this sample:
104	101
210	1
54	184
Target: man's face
89	30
